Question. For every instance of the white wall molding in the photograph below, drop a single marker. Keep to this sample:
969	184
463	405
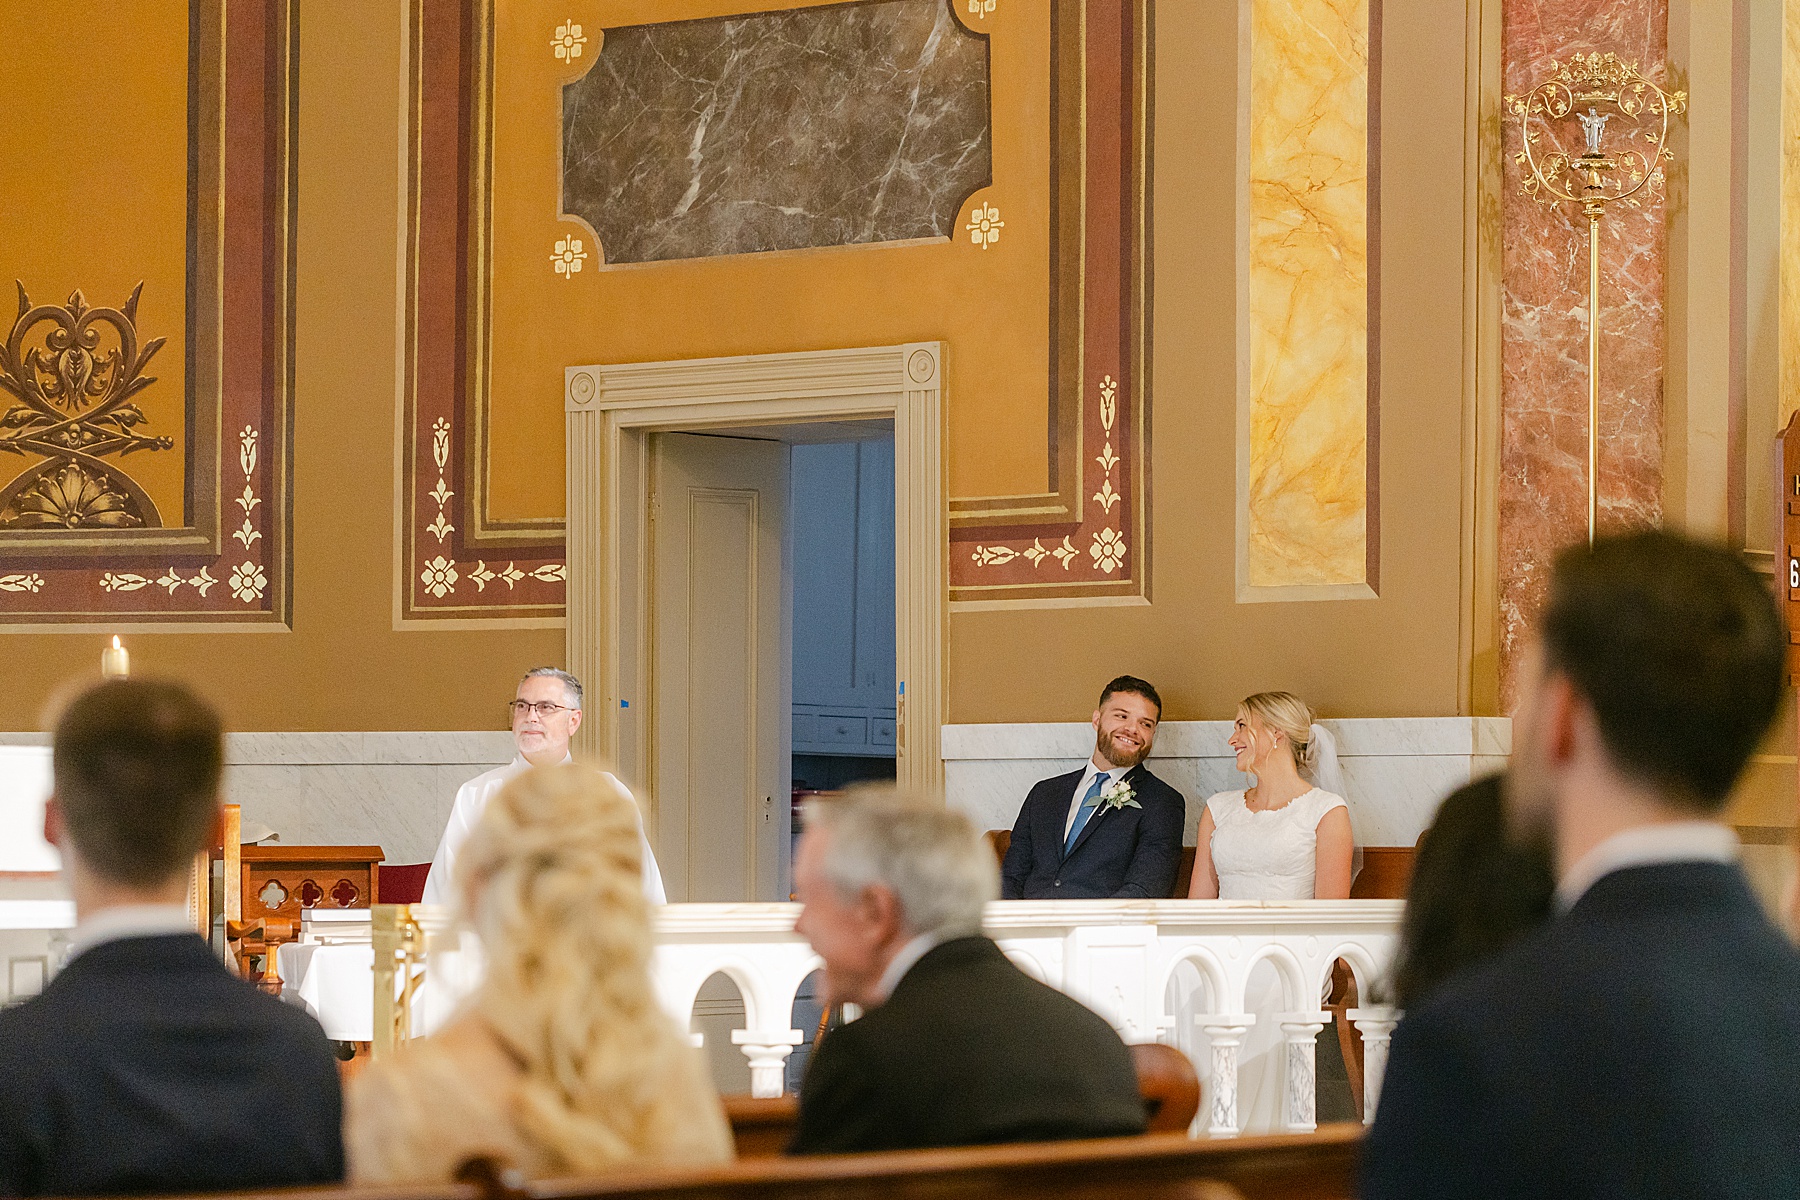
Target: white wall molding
608	410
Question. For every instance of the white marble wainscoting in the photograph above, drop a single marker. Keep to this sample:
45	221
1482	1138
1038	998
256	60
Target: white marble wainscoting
1396	769
388	789
392	790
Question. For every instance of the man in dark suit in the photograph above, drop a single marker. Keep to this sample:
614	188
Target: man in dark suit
144	1066
956	1046
1110	830
1645	1042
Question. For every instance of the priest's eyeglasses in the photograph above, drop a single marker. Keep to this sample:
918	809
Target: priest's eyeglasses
543	708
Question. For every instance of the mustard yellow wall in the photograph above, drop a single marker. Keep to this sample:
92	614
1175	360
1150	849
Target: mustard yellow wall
995	305
93	188
1393	656
343	666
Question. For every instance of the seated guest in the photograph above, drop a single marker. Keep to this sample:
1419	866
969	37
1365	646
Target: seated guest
956	1045
1108	829
144	1066
546	712
1284	837
564	1062
1645	1041
1475	891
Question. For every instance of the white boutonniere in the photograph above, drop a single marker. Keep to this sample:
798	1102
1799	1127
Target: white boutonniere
1119	794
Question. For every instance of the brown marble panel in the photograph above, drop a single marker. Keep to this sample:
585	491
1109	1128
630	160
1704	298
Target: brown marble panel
830	126
1544	330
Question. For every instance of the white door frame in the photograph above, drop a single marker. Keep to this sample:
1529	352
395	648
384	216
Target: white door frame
608	410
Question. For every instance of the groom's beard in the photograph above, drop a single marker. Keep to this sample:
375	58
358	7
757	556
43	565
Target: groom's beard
1116	754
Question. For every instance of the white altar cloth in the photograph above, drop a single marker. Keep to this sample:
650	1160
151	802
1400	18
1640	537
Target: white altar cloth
37	914
330	973
336	984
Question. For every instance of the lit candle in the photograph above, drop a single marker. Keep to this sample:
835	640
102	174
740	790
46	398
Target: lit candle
115	661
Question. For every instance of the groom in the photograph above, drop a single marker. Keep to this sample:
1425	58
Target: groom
1110	830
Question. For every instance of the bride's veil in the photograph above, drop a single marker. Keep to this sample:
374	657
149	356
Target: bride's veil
1328	774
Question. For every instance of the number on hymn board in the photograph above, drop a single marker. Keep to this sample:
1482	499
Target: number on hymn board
1794	572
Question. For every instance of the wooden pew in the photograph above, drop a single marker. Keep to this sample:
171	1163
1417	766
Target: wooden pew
1163	1166
762	1128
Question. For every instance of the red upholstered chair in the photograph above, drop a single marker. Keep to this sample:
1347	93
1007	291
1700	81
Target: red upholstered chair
403	884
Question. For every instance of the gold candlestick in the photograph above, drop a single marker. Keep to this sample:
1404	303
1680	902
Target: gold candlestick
1597	177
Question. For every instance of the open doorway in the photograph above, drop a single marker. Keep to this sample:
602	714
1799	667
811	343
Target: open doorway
844	681
769	612
652	451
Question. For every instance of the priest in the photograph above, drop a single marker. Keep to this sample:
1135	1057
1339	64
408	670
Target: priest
546	712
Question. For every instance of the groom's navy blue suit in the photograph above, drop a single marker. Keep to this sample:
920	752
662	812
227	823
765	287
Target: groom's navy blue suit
1121	853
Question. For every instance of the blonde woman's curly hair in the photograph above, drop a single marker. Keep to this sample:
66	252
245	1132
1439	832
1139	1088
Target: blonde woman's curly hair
555	874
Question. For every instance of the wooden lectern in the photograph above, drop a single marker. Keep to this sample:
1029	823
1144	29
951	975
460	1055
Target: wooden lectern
267	888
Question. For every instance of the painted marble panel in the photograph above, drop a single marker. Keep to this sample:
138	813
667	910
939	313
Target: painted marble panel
831	126
1305	403
1544	330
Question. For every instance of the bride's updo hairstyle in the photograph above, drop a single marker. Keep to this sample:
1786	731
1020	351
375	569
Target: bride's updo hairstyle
555	877
1291	717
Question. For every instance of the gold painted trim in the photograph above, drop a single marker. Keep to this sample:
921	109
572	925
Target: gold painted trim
406	290
85	622
1478	618
1043	602
455	624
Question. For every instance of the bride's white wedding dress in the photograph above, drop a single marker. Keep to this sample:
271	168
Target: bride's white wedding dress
1269	855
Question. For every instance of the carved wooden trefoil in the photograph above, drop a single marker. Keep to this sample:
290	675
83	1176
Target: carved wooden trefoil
73	370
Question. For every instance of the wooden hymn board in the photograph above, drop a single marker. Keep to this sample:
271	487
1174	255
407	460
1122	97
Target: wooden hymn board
1788	564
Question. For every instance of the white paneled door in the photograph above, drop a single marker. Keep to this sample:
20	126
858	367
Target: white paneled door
719	691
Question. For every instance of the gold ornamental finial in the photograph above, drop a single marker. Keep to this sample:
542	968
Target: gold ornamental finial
1597	89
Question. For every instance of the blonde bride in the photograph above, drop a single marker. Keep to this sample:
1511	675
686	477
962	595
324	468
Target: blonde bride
1285	837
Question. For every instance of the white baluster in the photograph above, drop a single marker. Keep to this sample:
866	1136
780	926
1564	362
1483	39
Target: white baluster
1300	1032
768	1051
1376	1024
1226	1031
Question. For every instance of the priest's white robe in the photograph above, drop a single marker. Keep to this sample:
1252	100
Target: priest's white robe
472	799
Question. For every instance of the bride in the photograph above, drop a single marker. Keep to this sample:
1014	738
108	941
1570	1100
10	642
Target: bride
1284	838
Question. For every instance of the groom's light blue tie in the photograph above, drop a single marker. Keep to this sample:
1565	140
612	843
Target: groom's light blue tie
1089	803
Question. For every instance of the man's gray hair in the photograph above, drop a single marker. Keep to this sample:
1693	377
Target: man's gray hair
940	870
571	685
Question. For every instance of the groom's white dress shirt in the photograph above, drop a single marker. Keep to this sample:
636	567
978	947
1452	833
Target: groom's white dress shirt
472	800
1113	775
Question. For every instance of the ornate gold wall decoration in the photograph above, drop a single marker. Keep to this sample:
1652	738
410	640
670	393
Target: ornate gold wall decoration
567	43
75	370
985	225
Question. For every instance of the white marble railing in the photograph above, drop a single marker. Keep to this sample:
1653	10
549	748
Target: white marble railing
1174	971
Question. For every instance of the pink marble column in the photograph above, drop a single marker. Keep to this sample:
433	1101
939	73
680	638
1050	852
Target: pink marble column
1544	329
